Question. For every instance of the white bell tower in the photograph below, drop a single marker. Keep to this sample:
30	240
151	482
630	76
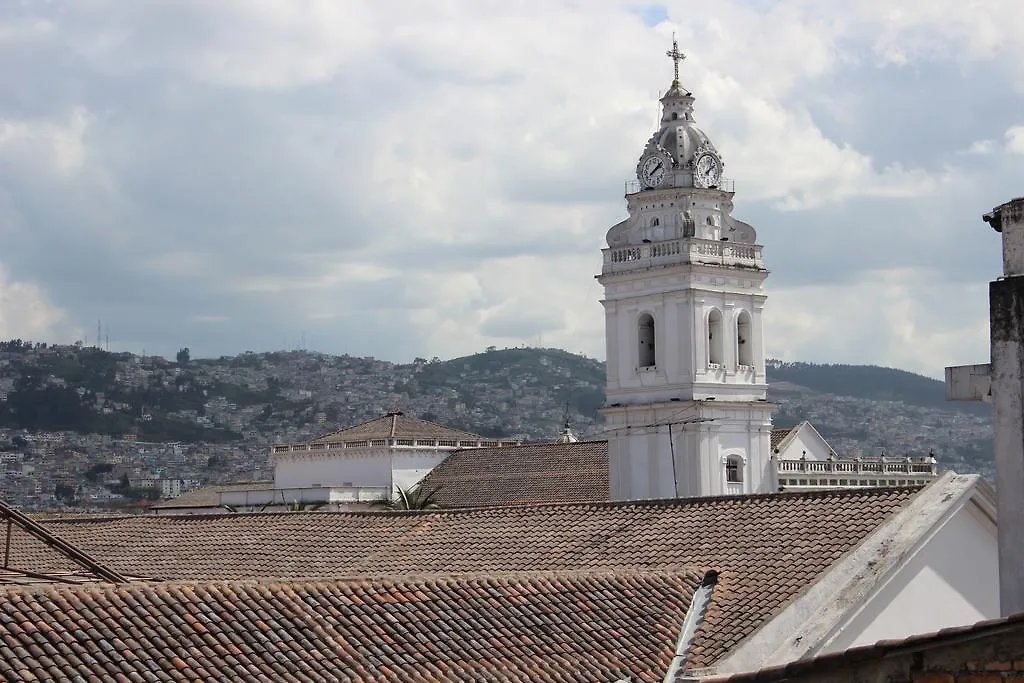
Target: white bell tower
686	405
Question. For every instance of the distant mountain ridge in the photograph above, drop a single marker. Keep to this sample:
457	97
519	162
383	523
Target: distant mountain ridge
869	381
526	393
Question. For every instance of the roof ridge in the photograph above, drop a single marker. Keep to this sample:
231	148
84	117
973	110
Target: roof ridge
604	504
453	429
382	579
533	444
391	418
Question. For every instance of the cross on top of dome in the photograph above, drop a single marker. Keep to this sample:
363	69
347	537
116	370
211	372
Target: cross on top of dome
676	56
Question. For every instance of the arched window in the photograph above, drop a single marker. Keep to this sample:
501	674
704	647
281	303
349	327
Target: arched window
645	337
734	469
716	341
689	227
745	351
675	115
655	222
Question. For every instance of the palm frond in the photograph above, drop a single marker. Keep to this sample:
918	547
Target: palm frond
412	498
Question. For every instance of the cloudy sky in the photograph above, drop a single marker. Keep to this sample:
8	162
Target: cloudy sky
406	178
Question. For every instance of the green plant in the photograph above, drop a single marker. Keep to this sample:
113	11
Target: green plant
412	498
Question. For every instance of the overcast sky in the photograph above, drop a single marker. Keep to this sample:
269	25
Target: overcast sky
405	178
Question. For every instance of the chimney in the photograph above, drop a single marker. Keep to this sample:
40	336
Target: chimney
1006	325
1002	383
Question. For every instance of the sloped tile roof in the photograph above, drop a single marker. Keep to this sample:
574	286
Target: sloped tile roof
515	475
599	627
396	425
779	435
769	548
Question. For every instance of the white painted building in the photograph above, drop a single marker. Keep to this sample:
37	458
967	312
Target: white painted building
358	465
805	461
686	404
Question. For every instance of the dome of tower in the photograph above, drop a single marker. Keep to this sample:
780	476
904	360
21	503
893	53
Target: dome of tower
683	141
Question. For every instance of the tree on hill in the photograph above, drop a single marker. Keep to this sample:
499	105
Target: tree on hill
183	356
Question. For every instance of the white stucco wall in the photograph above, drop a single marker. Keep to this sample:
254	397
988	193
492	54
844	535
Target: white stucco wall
410	468
805	440
357	467
640	458
953	580
680	307
369	469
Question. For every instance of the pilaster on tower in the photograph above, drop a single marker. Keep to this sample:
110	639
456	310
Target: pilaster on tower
686	401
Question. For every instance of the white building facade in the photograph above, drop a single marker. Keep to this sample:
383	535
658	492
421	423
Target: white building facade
686	404
804	461
360	464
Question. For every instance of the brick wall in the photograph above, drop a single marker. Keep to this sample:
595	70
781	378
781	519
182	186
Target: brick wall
988	653
996	671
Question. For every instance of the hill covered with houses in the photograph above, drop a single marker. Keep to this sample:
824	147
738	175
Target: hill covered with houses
132	423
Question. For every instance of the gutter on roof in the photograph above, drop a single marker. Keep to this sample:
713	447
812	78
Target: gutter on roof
694	618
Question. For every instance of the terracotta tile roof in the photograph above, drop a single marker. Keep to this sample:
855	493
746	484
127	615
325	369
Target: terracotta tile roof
45	556
532	473
778	435
209	496
396	425
599	627
768	548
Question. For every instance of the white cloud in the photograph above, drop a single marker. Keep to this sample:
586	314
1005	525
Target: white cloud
790	161
62	144
1015	140
981	147
899	317
439	180
21	30
26	312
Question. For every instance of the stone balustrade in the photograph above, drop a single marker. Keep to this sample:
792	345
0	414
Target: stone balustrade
687	250
795	475
848	466
389	443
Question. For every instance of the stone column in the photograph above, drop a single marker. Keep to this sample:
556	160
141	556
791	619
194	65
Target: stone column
1006	310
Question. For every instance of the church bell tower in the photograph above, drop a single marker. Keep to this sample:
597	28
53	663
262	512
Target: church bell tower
686	405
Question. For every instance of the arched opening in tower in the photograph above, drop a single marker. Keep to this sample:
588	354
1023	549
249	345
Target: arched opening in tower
645	333
745	350
716	338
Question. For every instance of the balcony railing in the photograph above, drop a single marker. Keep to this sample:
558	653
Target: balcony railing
687	250
868	467
400	443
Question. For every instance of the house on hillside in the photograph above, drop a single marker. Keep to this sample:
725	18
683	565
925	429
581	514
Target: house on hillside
645	590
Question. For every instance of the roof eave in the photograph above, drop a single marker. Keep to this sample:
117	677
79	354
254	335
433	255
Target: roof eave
802	627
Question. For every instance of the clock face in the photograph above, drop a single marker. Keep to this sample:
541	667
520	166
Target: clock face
707	171
652	171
